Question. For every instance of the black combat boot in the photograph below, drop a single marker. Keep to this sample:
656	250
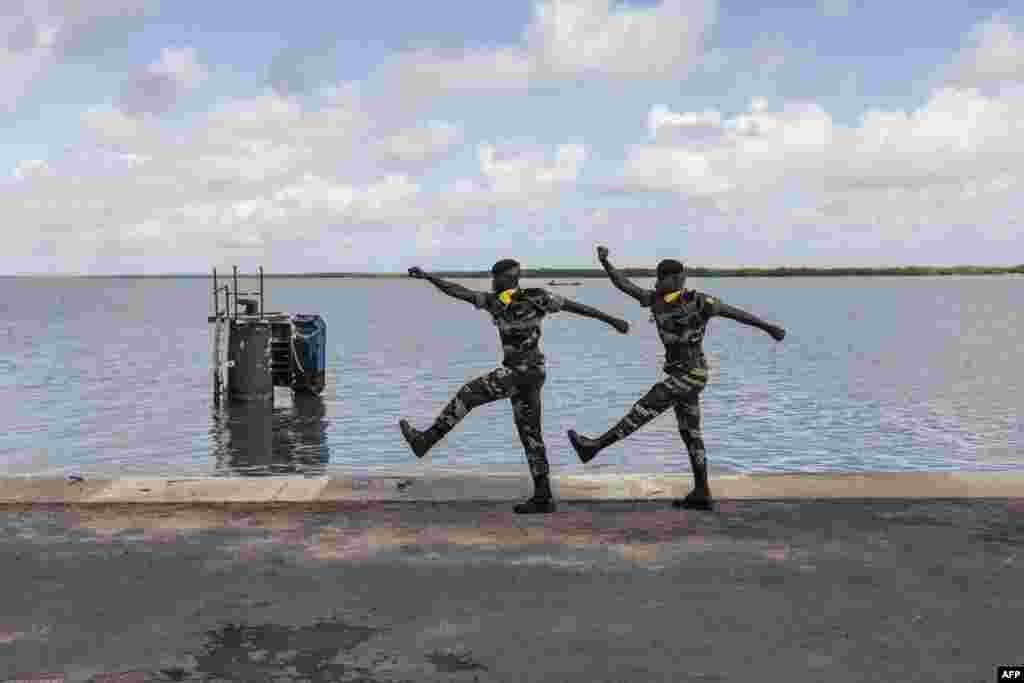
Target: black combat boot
420	442
542	501
587	448
700	497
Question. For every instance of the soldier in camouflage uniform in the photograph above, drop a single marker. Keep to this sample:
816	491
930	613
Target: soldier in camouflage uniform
681	317
517	313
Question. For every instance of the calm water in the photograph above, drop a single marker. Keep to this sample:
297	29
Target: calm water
112	378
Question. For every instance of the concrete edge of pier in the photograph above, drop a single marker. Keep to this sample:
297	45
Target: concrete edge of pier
418	488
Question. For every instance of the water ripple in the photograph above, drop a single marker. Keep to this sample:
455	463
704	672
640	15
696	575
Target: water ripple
113	376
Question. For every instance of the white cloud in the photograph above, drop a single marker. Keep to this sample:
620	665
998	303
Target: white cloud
956	136
18	68
522	177
180	65
955	131
516	174
421	143
272	171
953	159
425	72
673	169
246	162
567	39
155	88
34	35
465	198
664	124
710	154
428	237
111	124
595	36
305	207
993	54
266	115
31	168
264	172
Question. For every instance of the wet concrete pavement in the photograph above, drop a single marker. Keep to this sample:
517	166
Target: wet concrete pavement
783	590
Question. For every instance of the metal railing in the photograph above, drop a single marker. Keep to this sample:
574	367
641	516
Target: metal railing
223	319
231	296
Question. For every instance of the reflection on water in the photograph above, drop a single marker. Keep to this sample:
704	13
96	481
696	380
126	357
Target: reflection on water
884	374
259	439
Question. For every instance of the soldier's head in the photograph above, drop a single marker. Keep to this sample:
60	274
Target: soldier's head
505	275
671	276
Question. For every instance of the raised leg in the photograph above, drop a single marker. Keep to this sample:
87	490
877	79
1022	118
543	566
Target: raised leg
659	398
498	384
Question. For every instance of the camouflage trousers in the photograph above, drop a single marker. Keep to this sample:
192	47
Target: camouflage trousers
681	391
521	384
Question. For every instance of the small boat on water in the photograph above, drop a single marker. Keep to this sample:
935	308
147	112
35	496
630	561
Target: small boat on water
552	283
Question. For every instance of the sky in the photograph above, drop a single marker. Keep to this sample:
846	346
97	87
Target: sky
147	136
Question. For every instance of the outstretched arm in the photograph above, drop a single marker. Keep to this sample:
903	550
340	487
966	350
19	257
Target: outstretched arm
588	312
449	288
621	281
733	313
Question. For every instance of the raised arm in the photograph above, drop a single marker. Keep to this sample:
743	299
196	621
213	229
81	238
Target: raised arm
644	296
733	313
449	288
588	312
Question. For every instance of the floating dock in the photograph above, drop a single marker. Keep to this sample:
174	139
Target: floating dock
253	350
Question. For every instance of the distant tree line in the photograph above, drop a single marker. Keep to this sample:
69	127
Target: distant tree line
555	273
568	273
757	272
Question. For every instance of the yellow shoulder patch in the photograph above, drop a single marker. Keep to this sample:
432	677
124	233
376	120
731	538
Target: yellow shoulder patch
506	296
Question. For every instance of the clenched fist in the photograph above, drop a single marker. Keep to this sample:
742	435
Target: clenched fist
602	253
416	272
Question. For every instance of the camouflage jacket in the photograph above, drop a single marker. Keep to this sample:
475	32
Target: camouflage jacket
682	324
519	323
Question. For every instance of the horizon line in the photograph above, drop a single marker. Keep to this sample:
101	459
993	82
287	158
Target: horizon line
552	271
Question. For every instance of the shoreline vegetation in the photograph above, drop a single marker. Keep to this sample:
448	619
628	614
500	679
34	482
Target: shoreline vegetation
592	273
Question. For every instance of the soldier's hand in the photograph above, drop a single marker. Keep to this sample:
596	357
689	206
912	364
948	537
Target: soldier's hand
778	334
621	325
602	253
416	272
